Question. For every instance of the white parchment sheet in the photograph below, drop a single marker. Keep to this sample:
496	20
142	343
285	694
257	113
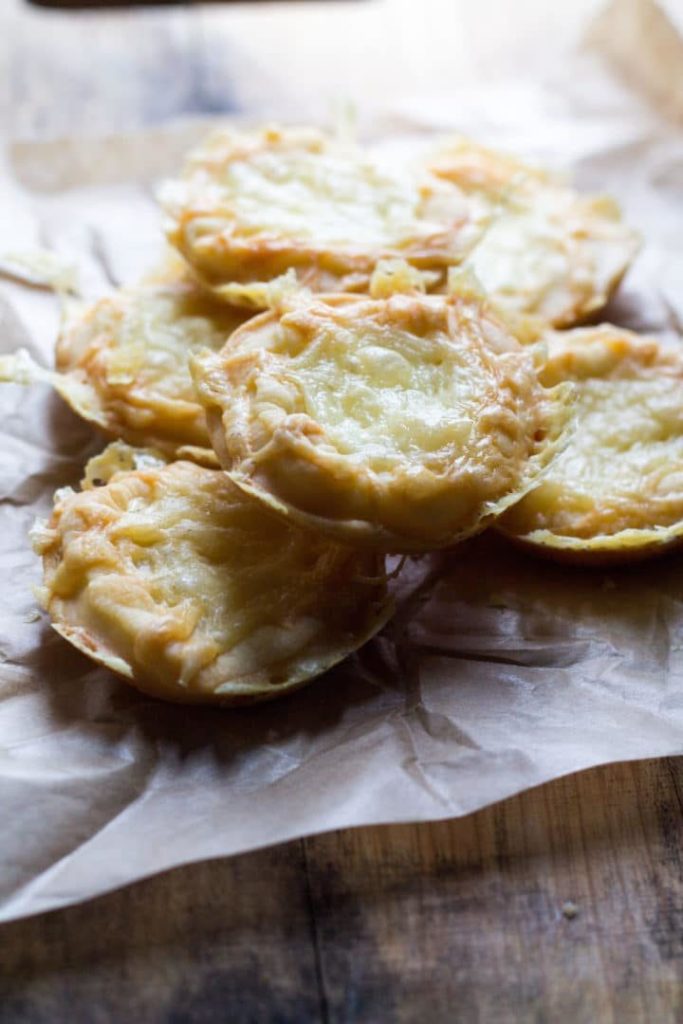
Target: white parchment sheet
500	672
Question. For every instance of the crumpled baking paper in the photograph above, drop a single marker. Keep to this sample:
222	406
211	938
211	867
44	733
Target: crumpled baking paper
499	672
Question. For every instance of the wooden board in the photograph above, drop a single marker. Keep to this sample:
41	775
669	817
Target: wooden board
562	905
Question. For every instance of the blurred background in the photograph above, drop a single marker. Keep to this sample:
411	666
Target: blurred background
73	69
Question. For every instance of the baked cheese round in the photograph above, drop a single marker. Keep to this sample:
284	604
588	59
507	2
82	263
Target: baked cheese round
616	492
124	359
546	250
170	576
253	205
405	422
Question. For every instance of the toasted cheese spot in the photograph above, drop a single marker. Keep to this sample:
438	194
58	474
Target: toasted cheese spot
405	423
547	251
124	360
617	489
251	206
176	580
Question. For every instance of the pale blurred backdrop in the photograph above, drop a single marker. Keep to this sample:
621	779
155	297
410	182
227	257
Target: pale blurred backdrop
121	68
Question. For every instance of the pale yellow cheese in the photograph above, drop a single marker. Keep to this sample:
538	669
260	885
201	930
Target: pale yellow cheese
124	360
405	422
617	489
251	206
546	250
173	578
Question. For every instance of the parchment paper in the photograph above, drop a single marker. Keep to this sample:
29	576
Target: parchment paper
499	673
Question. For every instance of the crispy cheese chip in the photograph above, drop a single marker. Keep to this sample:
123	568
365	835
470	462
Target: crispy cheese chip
405	422
252	206
171	577
547	250
616	492
124	360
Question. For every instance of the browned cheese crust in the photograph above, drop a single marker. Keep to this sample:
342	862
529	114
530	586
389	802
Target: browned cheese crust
124	359
174	579
545	250
616	492
252	206
406	422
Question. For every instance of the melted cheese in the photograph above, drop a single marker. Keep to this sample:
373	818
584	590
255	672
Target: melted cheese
547	251
173	578
124	360
618	485
403	422
252	206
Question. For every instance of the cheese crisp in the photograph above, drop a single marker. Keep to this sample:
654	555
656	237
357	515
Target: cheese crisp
547	251
124	360
174	579
616	492
252	206
404	422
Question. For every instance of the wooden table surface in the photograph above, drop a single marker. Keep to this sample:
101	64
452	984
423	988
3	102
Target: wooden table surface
563	904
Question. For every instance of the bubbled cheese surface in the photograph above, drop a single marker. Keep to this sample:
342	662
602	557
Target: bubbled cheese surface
620	479
172	577
402	422
252	206
546	250
125	359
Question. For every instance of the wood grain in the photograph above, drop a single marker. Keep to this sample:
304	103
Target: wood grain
464	920
562	904
221	941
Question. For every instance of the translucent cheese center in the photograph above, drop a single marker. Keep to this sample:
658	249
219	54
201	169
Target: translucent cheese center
198	547
624	465
154	339
329	199
522	255
386	396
